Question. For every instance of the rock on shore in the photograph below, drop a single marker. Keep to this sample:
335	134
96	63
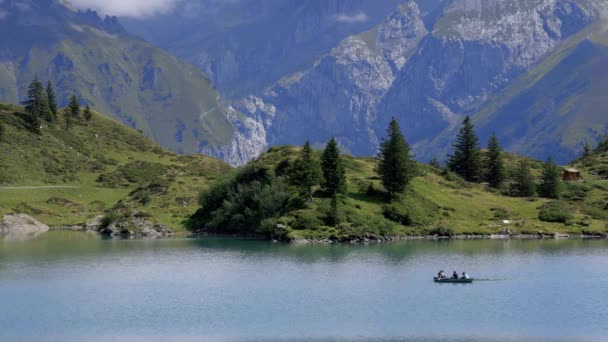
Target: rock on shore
21	226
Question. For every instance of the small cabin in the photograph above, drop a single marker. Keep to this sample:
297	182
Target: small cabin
571	175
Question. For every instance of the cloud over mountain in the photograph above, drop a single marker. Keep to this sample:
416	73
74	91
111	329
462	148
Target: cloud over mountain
352	18
128	8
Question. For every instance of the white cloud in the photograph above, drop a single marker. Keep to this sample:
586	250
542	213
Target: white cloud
352	18
127	8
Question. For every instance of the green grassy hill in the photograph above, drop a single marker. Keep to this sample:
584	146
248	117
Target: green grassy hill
65	177
116	73
436	203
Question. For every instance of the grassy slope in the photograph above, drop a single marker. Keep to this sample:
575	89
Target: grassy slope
559	105
76	159
466	208
126	78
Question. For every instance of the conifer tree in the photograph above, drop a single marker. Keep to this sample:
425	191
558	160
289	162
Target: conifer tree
36	105
496	169
550	180
435	163
523	185
68	118
586	151
87	114
333	215
51	99
305	171
74	108
466	160
1	130
334	178
396	166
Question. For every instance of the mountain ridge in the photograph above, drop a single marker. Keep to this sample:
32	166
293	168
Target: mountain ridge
454	70
112	70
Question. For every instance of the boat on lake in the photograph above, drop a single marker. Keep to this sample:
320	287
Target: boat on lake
453	280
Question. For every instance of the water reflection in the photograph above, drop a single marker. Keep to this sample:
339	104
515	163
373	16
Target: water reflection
66	245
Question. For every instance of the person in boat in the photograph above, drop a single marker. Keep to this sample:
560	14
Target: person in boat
440	275
455	275
465	275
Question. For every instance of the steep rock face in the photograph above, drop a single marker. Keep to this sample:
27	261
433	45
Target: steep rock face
428	80
248	45
475	50
338	96
248	140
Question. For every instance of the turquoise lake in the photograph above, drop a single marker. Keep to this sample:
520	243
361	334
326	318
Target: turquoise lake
73	287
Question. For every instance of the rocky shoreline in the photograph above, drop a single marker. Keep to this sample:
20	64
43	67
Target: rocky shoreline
21	226
135	226
387	239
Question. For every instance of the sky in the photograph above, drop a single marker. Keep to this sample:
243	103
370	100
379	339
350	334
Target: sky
127	8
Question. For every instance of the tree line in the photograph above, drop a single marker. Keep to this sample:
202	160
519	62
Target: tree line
41	106
469	162
396	166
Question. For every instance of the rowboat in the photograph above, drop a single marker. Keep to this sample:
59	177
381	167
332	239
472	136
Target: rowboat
454	281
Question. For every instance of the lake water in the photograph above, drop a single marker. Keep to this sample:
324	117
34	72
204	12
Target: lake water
72	286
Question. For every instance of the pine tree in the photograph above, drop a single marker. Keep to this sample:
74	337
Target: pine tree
68	118
334	178
496	168
51	99
87	114
586	151
74	108
466	160
550	180
396	166
333	215
305	171
435	163
523	185
36	105
1	130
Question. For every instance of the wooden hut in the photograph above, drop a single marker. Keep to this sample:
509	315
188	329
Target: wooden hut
571	175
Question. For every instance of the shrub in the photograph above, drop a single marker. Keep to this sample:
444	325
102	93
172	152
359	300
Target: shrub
442	231
241	203
575	191
596	213
501	213
554	211
412	210
272	229
307	220
108	220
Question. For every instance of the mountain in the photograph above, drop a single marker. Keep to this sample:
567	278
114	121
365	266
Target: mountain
247	45
113	71
67	177
429	68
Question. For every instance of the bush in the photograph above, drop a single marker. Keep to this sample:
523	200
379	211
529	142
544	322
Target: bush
108	220
272	229
240	204
442	232
501	213
575	191
307	220
596	213
554	211
412	210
